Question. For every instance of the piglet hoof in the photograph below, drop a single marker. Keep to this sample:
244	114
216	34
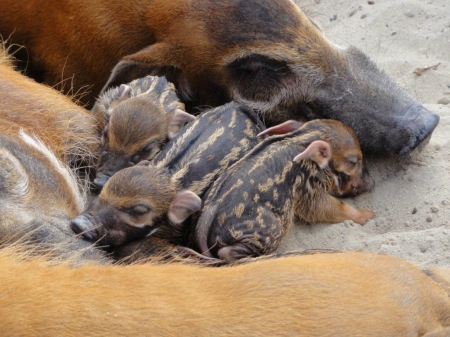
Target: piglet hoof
363	216
144	163
235	252
190	253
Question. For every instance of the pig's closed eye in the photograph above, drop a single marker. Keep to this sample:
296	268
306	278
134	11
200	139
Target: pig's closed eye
135	159
137	210
148	148
258	63
145	152
352	159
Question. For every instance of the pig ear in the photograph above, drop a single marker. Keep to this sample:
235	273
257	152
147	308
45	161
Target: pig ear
184	204
152	61
281	129
318	151
124	92
13	173
179	119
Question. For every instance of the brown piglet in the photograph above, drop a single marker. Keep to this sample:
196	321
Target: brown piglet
139	117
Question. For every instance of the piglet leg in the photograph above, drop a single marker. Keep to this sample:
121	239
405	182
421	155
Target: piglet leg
334	210
235	252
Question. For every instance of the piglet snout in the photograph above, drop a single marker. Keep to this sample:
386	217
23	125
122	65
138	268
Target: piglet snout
366	183
101	180
83	226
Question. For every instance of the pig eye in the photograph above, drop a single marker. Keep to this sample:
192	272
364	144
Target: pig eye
137	210
352	159
257	63
144	153
148	148
135	159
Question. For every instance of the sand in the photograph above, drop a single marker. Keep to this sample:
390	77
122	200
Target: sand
411	197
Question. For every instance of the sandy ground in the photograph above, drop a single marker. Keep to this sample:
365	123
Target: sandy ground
411	198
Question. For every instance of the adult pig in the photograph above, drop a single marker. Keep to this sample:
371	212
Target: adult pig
264	53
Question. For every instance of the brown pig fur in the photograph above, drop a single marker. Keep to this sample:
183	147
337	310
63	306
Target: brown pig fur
70	131
315	295
41	133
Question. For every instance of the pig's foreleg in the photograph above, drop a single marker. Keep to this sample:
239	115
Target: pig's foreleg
333	210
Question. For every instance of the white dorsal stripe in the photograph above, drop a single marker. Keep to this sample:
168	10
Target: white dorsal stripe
65	172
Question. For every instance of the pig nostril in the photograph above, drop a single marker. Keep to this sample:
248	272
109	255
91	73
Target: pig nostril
98	182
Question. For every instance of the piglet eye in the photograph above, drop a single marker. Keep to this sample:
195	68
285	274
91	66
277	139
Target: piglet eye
352	159
135	159
145	152
149	147
137	210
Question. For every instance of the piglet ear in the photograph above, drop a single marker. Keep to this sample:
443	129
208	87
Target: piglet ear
318	151
124	92
121	95
179	119
184	204
281	129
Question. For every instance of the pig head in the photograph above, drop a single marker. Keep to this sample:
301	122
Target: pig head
135	203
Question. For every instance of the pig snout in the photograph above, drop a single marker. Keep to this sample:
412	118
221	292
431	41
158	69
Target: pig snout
385	118
365	184
83	225
358	184
404	132
101	180
108	168
419	129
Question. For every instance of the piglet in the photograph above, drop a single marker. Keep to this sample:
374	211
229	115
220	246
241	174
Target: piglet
294	175
139	119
